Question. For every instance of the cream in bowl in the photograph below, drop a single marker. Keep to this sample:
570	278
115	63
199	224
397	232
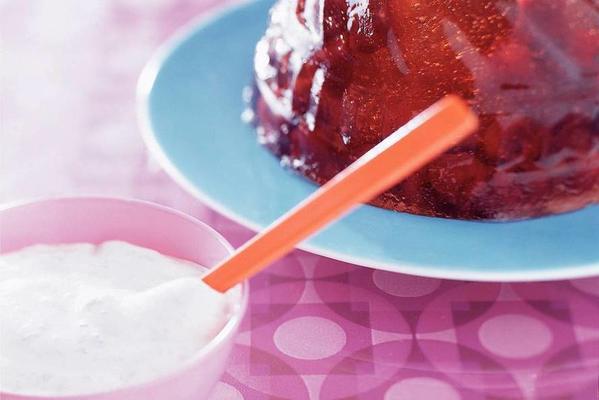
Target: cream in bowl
109	316
79	317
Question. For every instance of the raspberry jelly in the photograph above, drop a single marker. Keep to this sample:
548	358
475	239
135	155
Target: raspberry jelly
335	77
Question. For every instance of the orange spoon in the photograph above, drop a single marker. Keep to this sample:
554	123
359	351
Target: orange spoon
423	138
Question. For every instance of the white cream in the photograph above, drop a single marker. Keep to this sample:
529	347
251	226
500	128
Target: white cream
82	318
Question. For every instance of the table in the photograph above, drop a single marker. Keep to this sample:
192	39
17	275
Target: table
317	328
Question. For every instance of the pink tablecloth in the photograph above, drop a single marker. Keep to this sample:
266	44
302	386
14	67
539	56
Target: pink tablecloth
317	328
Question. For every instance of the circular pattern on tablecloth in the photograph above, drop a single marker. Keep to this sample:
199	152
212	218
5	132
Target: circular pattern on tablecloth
404	285
264	373
560	301
365	369
224	391
470	368
270	337
422	388
458	306
466	336
274	293
361	283
484	352
573	373
515	336
458	326
310	338
367	308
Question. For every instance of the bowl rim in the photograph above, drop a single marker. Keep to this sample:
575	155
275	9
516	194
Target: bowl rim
227	332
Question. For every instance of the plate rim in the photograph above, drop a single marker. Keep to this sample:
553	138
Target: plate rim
144	88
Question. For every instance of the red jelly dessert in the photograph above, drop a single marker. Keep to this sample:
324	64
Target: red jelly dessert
335	77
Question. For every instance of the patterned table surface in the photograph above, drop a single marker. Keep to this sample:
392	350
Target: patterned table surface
317	328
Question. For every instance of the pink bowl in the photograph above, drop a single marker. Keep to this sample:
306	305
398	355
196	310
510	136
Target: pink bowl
95	220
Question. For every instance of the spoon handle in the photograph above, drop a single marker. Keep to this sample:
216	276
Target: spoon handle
423	138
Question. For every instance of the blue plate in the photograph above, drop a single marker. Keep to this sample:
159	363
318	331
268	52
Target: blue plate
190	105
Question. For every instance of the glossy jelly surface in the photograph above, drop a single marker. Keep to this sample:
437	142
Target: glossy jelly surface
335	77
